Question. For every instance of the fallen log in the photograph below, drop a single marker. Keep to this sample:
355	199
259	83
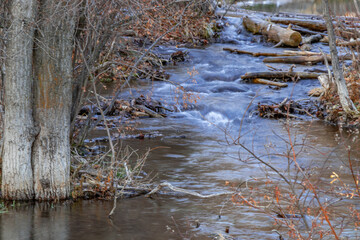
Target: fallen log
280	75
301	53
148	111
295	59
275	111
306	31
286	53
267	82
255	54
308	60
316	25
272	31
239	13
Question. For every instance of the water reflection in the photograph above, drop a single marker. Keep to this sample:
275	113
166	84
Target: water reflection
340	7
35	221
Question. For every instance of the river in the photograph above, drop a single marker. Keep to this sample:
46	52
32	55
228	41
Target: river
195	154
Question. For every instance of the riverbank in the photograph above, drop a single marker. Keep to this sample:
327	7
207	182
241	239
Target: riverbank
120	111
198	149
312	47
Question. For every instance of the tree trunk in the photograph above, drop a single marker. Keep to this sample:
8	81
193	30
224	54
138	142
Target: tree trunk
343	93
19	131
52	107
36	151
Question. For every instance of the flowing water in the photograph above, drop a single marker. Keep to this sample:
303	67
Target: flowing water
194	154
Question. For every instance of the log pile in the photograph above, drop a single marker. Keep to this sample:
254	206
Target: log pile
286	31
309	24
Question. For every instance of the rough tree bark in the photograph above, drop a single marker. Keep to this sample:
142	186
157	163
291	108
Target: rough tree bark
343	93
52	94
36	152
19	134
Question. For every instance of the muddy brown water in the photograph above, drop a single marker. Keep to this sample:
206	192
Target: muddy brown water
196	156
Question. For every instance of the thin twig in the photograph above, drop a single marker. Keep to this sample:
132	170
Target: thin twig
181	190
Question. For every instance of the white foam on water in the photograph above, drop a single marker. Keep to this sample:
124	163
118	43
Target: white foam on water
216	118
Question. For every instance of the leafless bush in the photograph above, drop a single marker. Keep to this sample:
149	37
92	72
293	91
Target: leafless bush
302	201
114	40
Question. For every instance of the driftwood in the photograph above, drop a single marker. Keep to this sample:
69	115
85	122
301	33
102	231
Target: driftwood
282	110
295	59
301	53
148	191
303	23
314	59
280	75
255	54
286	109
272	31
306	31
148	111
139	107
268	82
181	190
273	54
316	25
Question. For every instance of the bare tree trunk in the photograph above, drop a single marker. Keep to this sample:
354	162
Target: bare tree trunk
357	7
343	93
19	132
53	81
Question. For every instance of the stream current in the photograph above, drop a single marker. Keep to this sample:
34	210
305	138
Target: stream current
195	155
